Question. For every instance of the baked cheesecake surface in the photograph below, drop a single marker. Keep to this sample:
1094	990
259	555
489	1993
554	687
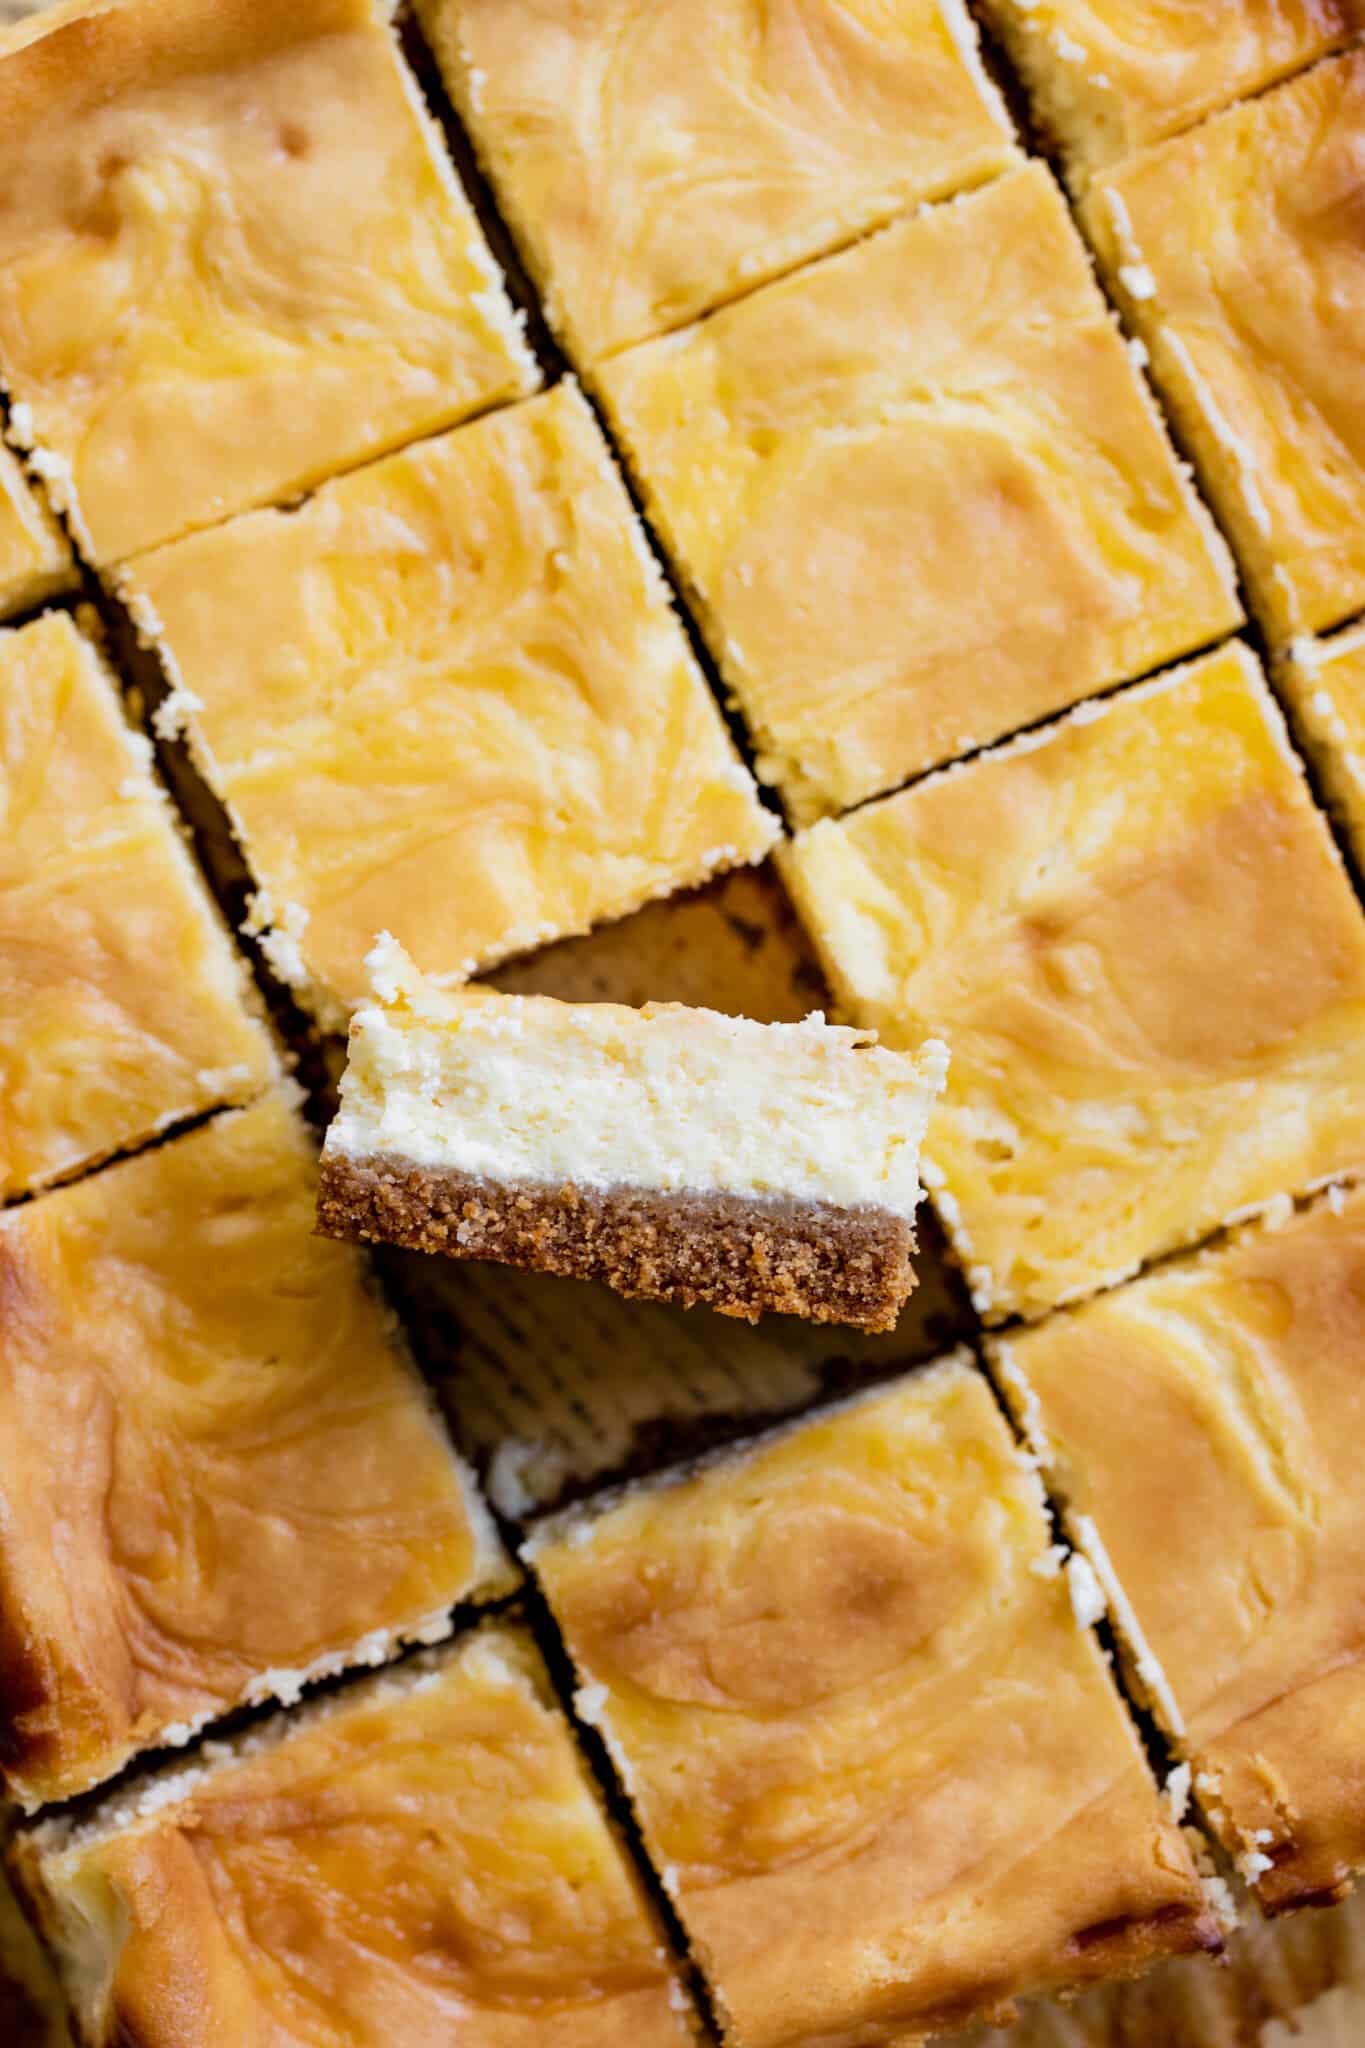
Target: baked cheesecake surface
232	260
671	1151
1237	253
124	1006
875	1752
1106	76
656	161
449	699
420	1859
1324	683
1135	936
217	1475
35	560
1221	1402
920	495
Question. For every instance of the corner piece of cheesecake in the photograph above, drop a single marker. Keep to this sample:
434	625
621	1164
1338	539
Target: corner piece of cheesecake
674	1153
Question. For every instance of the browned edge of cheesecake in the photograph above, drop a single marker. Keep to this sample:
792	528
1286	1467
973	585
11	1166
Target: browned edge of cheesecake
742	1255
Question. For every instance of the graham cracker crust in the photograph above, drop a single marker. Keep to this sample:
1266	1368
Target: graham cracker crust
737	1254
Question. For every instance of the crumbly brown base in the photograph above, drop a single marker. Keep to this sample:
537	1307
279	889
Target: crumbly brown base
735	1253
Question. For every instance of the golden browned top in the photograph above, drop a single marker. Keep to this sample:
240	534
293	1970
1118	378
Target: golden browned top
1222	1402
1135	936
1324	682
1239	251
1106	76
423	1861
232	260
921	494
121	1001
214	1469
35	560
657	161
448	699
883	1769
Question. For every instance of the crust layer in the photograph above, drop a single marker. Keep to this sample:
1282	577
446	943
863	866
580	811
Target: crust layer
739	1255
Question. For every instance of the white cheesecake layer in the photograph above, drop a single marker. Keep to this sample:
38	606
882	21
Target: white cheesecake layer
526	1088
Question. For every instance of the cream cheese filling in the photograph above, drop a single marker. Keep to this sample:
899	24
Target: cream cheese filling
528	1089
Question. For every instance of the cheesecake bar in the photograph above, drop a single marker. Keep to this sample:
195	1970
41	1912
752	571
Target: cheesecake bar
674	1153
125	1008
655	162
233	260
35	560
1220	1401
920	494
32	2009
219	1477
448	698
1135	934
420	1858
1324	684
1106	76
871	1741
1235	252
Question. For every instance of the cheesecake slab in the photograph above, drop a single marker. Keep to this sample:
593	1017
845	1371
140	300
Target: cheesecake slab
233	260
421	1858
657	161
920	495
1105	77
674	1153
1323	682
1221	1402
1235	253
125	1007
448	699
35	558
875	1752
219	1475
1133	931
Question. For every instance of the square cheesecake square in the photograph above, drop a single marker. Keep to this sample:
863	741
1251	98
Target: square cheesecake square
1221	1402
219	1475
1323	682
420	1857
657	161
1106	76
125	1007
35	560
874	1748
920	494
1237	253
1135	934
233	260
449	699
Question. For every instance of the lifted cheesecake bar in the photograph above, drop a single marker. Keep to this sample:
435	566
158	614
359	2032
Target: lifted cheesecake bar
673	1153
35	561
420	1858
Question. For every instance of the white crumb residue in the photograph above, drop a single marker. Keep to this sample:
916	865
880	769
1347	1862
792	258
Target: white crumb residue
1278	1211
590	1704
1175	1792
963	31
278	931
1234	445
1139	355
1087	1597
1251	1864
1024	1403
1305	651
1049	1565
173	714
21	427
507	1481
1336	1198
1148	1669
1137	280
